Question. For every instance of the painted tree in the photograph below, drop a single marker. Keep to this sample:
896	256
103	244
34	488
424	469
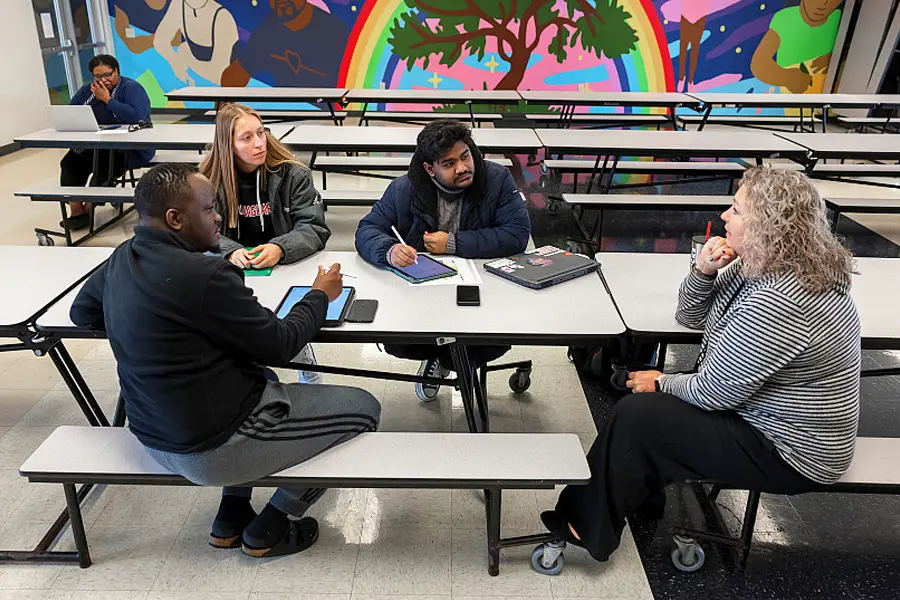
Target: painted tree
451	27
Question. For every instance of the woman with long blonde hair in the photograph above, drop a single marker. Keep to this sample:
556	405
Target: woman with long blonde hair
773	405
271	211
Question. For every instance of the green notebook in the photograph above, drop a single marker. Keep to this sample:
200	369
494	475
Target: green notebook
251	272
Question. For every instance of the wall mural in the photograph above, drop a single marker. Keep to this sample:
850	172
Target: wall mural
759	46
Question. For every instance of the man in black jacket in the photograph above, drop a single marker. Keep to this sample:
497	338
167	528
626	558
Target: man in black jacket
190	341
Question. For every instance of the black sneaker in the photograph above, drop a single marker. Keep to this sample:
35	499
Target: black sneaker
230	522
297	536
76	222
430	368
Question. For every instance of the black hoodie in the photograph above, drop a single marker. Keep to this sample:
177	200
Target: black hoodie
189	338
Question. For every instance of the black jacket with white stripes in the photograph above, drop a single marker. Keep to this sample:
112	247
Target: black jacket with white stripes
189	338
787	360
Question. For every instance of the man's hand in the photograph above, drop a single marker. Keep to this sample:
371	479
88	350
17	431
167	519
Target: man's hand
100	92
402	256
797	81
436	242
716	254
331	281
820	65
269	255
642	381
240	258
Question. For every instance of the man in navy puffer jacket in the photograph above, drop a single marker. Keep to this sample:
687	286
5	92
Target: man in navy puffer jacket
450	202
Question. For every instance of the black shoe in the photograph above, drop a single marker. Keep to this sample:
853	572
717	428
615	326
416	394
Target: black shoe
76	222
233	517
559	527
296	536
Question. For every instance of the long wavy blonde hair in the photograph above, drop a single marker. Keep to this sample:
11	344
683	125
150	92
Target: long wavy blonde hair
787	230
219	165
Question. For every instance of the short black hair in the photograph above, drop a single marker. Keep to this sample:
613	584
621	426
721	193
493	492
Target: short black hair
103	59
438	137
161	187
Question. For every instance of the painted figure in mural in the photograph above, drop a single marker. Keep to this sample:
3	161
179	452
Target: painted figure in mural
796	50
128	15
209	33
693	21
297	45
599	28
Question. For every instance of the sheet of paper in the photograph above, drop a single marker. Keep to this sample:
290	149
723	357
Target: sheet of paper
467	272
112	131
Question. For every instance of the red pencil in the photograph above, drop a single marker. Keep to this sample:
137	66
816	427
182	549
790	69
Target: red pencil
708	227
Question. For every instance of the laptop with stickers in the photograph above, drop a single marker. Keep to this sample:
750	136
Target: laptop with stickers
542	267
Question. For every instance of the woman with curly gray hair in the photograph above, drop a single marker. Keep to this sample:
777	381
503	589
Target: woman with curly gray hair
774	402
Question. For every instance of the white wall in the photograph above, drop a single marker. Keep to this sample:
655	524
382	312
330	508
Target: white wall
23	94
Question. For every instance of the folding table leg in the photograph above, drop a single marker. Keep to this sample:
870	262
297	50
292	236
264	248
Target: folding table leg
466	379
81	545
492	507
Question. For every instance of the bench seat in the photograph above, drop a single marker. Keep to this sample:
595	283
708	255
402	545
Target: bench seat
51	192
567	165
293	115
350	197
611	118
379	163
657	201
487	461
744	120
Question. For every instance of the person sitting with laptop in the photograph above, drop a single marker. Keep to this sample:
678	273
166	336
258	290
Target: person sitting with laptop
114	100
451	202
774	402
191	340
272	211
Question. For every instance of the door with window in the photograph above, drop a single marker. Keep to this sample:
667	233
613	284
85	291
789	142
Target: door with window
70	33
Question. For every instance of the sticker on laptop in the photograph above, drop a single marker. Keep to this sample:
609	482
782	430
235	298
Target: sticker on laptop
499	264
539	261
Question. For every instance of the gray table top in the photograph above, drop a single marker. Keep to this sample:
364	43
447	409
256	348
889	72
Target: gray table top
262	94
555	97
799	100
401	139
434	96
670	143
40	275
650	309
514	459
846	145
576	310
179	136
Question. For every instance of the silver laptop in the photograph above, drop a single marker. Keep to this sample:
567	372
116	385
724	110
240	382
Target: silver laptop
73	118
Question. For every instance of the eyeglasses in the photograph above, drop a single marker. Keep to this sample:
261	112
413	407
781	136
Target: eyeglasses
107	75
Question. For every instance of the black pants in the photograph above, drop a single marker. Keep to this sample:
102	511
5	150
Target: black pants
652	440
479	355
77	167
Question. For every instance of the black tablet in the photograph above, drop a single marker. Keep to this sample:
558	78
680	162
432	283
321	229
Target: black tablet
427	269
337	310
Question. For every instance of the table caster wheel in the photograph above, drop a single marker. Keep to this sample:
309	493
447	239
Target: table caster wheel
520	381
687	555
44	240
547	559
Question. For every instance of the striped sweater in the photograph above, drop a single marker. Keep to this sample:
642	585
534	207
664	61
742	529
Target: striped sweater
785	359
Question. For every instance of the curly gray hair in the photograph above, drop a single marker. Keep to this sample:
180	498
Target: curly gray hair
787	230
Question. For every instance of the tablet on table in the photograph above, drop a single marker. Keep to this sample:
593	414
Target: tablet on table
337	310
427	269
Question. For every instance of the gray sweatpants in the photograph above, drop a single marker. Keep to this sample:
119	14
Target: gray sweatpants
291	423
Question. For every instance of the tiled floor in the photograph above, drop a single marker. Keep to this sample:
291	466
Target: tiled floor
150	543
